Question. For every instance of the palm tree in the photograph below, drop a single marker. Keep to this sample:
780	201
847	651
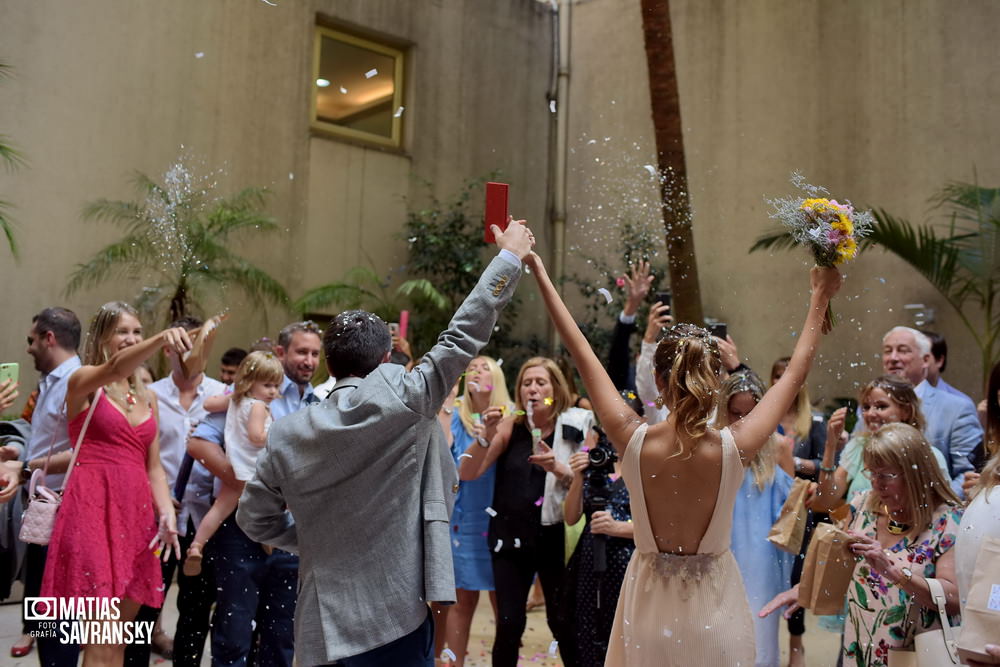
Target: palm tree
11	159
961	260
362	287
181	236
665	101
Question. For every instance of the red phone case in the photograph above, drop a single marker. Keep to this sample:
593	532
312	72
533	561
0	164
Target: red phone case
496	209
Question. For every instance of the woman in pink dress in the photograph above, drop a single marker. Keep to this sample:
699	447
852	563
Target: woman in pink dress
116	516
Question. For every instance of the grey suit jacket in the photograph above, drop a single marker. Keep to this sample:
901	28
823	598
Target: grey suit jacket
369	484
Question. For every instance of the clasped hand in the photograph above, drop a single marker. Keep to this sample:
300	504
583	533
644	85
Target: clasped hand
517	238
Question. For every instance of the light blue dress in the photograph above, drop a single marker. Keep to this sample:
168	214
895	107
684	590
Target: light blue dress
469	522
766	570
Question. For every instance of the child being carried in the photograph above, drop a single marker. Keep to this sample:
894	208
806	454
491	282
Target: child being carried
248	417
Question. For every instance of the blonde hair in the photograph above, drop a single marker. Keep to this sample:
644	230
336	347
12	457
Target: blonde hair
498	394
688	364
561	399
102	328
256	367
803	406
763	464
901	393
989	477
903	447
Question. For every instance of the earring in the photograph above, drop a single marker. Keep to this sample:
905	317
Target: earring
659	402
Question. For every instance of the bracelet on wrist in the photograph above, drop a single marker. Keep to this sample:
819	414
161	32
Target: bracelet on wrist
823	468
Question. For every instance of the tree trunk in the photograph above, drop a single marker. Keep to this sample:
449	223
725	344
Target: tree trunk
666	110
178	303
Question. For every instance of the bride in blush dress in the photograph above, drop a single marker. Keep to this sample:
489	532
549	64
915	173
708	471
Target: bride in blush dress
683	600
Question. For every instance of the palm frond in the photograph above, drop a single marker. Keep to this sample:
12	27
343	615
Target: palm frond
342	295
9	155
919	246
255	282
147	186
125	213
423	289
775	240
127	256
7	228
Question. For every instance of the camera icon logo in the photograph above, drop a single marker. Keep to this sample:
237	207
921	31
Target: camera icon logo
40	609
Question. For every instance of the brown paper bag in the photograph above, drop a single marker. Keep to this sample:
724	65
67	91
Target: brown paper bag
788	531
827	571
981	616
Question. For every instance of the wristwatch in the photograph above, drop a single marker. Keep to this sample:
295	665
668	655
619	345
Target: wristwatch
907	574
798	463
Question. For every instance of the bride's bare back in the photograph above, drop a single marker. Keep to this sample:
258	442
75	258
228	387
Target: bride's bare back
681	491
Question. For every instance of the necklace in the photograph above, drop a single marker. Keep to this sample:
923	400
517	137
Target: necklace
893	526
127	399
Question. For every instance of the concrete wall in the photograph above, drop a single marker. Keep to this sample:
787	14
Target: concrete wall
102	88
881	102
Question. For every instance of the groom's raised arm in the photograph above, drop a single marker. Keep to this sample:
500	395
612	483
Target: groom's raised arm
425	388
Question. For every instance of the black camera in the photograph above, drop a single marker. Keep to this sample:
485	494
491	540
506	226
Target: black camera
597	492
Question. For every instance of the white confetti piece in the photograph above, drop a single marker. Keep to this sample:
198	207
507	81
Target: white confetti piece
517	542
370	73
463	455
267	2
448	655
291	176
651	169
603	291
552	106
200	54
490	511
500	362
553	647
343	91
399	112
498	546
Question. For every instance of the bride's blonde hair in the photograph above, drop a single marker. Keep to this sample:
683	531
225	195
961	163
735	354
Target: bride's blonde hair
688	364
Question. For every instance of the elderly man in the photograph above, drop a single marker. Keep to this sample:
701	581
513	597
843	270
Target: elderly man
952	424
362	484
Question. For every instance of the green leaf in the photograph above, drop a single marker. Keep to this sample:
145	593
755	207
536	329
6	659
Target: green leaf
896	614
861	596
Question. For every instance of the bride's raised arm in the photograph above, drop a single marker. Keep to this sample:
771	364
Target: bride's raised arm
751	432
617	419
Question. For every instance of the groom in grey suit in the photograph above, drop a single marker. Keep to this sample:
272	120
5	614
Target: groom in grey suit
362	485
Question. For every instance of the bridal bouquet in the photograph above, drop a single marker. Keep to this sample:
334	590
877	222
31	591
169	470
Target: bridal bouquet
828	228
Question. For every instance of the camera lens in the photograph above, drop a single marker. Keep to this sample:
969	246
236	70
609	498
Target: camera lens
598	457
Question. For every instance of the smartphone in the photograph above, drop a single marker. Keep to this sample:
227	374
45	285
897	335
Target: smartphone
394	329
719	330
496	209
664	297
404	322
8	372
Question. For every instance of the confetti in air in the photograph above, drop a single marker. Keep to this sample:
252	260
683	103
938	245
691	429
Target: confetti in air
399	112
268	2
370	73
553	647
603	291
343	91
490	511
538	503
200	54
651	169
620	282
464	455
517	542
548	400
552	106
498	546
448	655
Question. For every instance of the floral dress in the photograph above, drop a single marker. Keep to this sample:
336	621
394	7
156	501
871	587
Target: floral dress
880	616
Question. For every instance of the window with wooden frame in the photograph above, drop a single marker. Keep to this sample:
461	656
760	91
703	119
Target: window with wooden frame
357	88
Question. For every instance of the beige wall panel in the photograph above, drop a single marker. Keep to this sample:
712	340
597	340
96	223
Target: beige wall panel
881	102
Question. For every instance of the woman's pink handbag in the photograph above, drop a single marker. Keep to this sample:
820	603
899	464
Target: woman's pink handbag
39	518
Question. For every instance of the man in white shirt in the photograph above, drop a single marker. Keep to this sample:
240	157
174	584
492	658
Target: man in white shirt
52	342
181	408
